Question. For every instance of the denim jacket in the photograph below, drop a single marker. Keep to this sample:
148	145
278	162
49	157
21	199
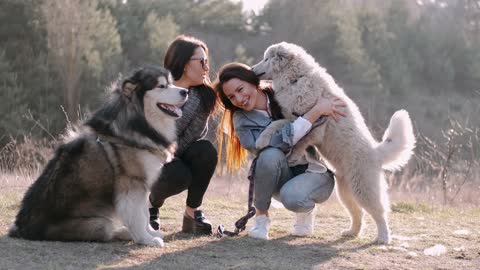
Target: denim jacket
250	124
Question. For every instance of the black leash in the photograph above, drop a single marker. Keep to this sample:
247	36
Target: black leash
241	223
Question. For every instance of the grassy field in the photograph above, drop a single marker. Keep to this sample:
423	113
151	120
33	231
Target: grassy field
416	227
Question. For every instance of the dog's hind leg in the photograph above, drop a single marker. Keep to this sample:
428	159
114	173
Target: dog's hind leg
373	197
82	229
122	234
344	191
131	207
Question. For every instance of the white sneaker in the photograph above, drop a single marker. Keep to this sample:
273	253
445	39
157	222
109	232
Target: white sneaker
260	228
304	224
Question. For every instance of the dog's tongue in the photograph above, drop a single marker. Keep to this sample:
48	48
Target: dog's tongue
174	109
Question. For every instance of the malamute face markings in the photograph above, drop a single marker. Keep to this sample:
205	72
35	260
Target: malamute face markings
96	186
169	109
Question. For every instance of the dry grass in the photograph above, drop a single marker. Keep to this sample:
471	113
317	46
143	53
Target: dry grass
415	226
418	221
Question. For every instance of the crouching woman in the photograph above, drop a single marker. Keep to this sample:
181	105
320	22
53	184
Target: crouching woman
249	109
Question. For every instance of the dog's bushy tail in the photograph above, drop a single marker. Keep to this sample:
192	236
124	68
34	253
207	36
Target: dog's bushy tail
397	143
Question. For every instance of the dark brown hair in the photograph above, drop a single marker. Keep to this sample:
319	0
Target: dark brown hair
177	56
235	153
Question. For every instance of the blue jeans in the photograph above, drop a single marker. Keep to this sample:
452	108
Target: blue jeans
298	193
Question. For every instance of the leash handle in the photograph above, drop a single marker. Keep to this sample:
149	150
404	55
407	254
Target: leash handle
240	224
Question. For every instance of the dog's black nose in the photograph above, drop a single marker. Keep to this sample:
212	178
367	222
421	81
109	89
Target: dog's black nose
183	93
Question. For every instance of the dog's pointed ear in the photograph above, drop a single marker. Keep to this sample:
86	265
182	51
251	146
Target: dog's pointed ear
128	87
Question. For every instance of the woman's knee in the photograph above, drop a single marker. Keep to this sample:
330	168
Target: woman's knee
271	159
324	192
302	193
296	202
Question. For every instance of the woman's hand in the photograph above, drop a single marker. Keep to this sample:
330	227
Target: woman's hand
331	107
326	106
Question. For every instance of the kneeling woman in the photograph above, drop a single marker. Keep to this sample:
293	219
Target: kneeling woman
249	109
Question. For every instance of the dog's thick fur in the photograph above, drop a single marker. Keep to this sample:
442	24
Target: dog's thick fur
96	186
347	145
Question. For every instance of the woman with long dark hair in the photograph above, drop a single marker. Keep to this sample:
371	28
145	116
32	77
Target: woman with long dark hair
195	158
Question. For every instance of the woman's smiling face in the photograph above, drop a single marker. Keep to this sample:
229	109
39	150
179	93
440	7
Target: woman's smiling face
242	94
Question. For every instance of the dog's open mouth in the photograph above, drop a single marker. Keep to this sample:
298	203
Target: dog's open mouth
169	109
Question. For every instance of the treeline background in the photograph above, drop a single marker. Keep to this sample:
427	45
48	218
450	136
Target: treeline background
57	58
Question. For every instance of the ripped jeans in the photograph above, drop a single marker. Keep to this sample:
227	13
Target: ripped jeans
298	192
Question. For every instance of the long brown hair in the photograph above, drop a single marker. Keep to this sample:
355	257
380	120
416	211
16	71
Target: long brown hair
177	56
235	153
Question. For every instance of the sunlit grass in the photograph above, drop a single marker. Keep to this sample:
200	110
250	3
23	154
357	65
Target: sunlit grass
410	207
417	221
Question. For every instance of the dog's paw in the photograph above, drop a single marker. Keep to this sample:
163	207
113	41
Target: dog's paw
154	241
151	241
384	239
155	233
294	162
349	233
294	158
379	241
262	142
157	241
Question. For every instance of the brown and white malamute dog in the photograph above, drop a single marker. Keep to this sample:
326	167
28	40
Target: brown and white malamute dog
96	186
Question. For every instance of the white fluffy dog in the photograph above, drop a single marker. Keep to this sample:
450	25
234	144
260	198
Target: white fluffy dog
347	145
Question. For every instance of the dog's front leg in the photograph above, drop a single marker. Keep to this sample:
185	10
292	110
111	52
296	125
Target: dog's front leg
298	151
264	139
150	230
130	205
314	137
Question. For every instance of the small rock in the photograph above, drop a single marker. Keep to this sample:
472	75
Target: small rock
436	250
462	256
411	254
462	232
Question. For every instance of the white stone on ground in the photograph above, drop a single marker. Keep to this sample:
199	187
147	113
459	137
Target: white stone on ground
436	250
461	232
411	254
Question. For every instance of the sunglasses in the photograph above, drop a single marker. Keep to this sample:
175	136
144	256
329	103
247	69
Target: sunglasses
203	61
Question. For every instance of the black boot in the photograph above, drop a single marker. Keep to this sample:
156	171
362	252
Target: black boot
199	225
154	218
